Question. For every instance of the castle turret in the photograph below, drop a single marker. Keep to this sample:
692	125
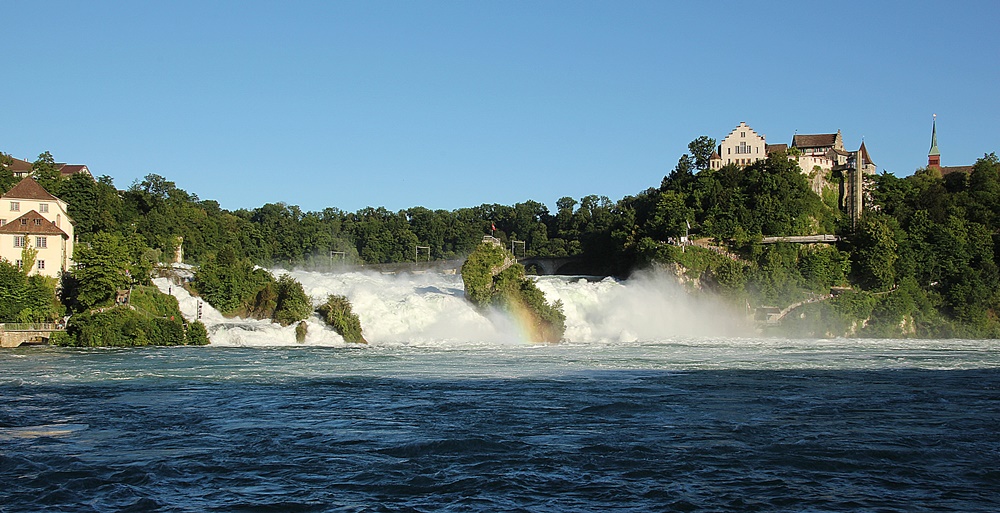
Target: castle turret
934	156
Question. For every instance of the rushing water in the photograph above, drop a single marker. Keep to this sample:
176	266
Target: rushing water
655	403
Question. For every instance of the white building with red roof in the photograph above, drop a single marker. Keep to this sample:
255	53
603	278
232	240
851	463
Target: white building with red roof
31	217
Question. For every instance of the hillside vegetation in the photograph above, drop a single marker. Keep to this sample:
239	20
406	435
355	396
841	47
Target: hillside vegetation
922	261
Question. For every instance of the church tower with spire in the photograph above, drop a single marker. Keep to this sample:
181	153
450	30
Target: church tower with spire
934	156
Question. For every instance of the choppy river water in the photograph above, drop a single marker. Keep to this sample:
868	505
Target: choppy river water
447	411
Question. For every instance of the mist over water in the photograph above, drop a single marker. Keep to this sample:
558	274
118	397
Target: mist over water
430	309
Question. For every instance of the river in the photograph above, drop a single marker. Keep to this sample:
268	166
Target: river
655	402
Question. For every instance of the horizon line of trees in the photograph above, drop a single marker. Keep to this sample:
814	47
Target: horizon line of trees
936	237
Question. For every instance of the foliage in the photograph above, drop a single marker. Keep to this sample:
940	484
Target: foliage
336	312
487	284
233	285
196	334
874	254
150	318
28	255
122	327
292	303
238	287
45	171
7	179
27	298
107	263
477	273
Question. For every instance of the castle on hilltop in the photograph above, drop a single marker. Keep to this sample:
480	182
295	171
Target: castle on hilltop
820	156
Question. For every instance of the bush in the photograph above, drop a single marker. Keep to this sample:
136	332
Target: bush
151	319
336	312
236	287
292	303
122	327
27	298
196	334
232	286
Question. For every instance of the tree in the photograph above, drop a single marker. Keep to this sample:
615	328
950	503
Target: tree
682	172
28	255
7	179
701	151
875	251
46	173
102	269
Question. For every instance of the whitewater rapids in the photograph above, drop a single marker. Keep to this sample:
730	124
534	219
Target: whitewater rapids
430	309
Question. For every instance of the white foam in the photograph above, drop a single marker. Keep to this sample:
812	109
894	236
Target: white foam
430	310
239	332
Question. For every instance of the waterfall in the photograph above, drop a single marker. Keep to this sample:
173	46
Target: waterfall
429	309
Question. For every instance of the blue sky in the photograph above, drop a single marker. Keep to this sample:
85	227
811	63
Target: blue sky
454	104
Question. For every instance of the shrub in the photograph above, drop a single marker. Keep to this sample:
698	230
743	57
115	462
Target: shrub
196	334
336	312
151	318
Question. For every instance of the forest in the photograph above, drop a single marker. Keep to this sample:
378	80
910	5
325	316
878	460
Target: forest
922	261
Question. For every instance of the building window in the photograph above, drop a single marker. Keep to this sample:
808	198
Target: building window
3	222
19	264
43	207
38	222
24	222
41	242
19	241
41	265
15	206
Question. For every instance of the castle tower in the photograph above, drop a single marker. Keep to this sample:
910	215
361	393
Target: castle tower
934	156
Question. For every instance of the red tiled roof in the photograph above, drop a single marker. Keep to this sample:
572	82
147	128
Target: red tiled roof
71	169
32	223
814	140
19	166
771	148
28	188
23	166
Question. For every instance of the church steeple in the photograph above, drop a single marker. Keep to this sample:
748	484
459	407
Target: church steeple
934	156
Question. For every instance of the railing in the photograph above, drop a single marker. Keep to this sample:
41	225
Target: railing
31	326
802	239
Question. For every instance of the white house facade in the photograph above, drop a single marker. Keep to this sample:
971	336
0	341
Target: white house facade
31	217
743	146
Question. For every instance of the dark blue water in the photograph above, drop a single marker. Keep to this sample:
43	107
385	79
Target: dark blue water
499	429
